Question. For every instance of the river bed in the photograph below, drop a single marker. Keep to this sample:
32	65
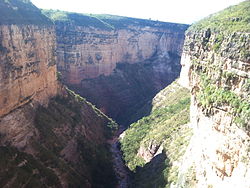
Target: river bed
122	172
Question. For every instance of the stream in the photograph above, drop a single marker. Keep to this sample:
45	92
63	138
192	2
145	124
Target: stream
122	172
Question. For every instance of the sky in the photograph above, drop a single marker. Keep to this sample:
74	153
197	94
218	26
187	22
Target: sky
179	11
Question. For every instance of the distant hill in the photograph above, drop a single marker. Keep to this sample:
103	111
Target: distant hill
106	21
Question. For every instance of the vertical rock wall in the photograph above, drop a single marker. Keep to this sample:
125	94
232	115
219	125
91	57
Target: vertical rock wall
27	69
120	67
87	52
49	137
217	65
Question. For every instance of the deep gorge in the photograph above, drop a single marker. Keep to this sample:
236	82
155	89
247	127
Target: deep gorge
179	95
118	68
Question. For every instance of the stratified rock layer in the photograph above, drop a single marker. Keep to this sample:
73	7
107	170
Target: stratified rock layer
28	70
49	137
117	63
85	52
27	56
217	65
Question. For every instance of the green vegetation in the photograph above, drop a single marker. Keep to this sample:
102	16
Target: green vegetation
76	18
244	53
224	36
246	85
21	12
233	19
163	127
62	122
119	22
59	76
215	91
111	127
23	170
212	96
153	127
105	21
218	41
190	179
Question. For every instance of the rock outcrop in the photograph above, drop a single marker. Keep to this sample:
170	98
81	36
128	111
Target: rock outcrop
28	62
85	52
91	46
49	136
117	63
216	60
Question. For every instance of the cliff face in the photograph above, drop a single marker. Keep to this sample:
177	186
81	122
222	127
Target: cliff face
28	70
85	52
117	63
49	137
27	55
216	61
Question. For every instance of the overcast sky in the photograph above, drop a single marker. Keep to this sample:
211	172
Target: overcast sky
180	11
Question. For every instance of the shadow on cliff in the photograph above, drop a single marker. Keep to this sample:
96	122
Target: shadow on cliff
152	174
126	94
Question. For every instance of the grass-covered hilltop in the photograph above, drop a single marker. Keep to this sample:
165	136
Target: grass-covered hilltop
232	19
105	21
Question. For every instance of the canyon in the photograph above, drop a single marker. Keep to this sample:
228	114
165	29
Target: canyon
212	150
191	131
45	129
117	63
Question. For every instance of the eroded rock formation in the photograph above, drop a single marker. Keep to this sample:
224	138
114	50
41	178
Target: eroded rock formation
117	63
28	69
49	136
216	62
85	52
